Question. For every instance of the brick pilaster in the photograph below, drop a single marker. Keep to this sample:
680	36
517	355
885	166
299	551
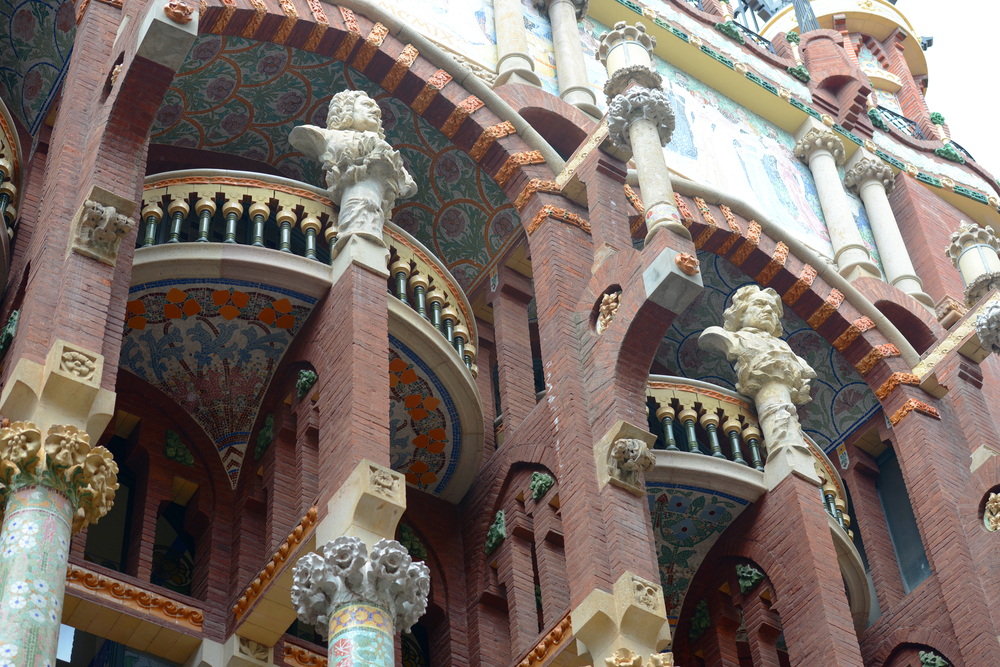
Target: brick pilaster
513	347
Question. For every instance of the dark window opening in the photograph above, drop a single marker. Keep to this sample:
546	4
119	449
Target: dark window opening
173	552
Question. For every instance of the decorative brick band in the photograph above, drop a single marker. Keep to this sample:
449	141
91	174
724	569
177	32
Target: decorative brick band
291	18
749	245
911	405
878	353
486	139
777	262
894	382
706	214
133	597
371	45
400	68
550	211
633	199
514	162
535	185
550	645
801	285
682	207
435	84
860	325
828	308
727	215
220	24
458	116
259	11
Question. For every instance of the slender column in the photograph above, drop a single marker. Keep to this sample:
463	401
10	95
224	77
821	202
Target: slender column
360	602
51	491
873	180
823	151
514	65
574	84
233	210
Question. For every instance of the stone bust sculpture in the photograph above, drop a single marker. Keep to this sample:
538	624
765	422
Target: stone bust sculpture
750	337
363	172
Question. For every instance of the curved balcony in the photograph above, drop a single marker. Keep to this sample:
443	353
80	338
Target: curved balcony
11	175
710	458
228	269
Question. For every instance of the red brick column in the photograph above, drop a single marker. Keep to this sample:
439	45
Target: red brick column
608	207
719	641
486	358
861	477
763	630
306	453
513	347
278	464
910	99
348	345
517	574
551	560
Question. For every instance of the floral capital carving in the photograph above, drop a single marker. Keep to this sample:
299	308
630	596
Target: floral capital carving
870	170
364	174
687	263
581	6
627	457
344	573
178	11
608	310
820	140
991	514
988	327
638	103
65	461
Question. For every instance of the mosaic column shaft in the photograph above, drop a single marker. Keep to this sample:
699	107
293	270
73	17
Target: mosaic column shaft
872	179
51	491
823	151
571	70
513	61
358	601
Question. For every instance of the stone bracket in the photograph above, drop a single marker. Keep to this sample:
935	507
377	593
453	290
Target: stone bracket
242	652
368	506
363	251
605	475
65	390
667	285
100	224
163	40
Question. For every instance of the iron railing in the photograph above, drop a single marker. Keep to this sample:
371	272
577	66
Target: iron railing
754	37
958	147
902	123
695	3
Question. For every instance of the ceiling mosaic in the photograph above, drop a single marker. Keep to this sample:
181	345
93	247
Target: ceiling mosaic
841	400
36	38
424	430
243	97
687	521
212	346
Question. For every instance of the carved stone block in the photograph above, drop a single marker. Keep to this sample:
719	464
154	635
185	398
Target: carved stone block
622	454
100	224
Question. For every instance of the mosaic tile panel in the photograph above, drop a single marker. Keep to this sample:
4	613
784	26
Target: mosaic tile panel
424	430
361	635
841	400
243	97
212	346
687	521
36	39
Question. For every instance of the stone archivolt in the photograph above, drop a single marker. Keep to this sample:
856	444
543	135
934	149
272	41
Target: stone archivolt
65	462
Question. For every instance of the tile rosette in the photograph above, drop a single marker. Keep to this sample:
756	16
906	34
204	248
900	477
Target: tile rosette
51	490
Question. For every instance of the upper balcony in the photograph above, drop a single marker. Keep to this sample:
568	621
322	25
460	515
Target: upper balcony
710	457
228	269
11	176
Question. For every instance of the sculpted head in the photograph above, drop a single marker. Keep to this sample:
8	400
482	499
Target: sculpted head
354	110
754	308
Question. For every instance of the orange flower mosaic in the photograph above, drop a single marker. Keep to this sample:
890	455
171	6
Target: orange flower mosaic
230	304
279	314
424	429
138	310
179	305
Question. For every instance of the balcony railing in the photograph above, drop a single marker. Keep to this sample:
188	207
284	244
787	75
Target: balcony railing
231	207
967	154
754	37
902	123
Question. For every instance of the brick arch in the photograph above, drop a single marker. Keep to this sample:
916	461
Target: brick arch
561	124
918	637
911	317
368	47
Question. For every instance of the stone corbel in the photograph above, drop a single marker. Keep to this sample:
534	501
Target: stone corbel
242	652
100	224
66	390
668	282
168	32
368	506
633	618
621	455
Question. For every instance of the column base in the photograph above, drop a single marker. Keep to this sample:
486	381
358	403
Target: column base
582	97
924	298
864	268
521	66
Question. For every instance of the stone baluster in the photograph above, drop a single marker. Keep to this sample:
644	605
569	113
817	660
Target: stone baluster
419	285
459	337
640	120
310	227
571	70
359	602
768	372
732	428
751	436
974	252
331	234
400	270
259	213
205	208
873	180
286	219
152	214
436	300
448	320
823	151
233	211
665	413
470	359
178	211
514	65
52	489
710	422
688	417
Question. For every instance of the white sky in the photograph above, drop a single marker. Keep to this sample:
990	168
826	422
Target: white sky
961	83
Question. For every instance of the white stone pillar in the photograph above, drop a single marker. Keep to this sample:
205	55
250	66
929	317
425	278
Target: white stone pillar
574	84
872	179
514	65
771	374
823	151
974	252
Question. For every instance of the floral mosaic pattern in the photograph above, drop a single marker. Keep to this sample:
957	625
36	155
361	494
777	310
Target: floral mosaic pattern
361	635
687	521
212	348
36	39
841	400
424	430
36	534
243	97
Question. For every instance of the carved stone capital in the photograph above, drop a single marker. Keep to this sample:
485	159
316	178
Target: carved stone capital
364	174
627	457
639	103
344	573
869	170
100	225
816	140
969	234
622	33
988	327
581	7
65	462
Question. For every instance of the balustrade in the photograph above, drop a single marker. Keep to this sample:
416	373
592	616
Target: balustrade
228	207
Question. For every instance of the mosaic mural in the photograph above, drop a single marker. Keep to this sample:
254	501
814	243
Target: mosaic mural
687	521
538	31
243	97
212	346
36	38
841	400
463	26
424	430
928	164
